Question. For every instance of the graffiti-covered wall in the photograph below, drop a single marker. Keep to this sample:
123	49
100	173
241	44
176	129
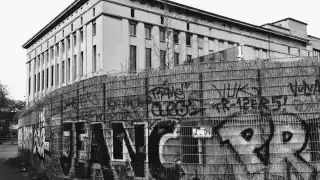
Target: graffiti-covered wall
221	121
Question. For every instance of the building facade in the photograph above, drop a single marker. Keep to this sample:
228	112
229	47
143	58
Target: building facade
239	120
92	37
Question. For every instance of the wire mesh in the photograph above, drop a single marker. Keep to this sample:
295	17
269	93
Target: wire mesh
231	120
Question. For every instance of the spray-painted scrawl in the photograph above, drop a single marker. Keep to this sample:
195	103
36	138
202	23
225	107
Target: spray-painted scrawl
269	143
221	121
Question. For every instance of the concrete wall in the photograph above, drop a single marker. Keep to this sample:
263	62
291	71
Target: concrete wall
233	120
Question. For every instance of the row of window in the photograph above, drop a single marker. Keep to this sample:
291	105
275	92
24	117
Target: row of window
45	73
45	54
316	53
71	26
166	34
164	64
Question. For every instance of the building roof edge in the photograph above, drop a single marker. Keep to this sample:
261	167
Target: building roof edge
55	21
71	8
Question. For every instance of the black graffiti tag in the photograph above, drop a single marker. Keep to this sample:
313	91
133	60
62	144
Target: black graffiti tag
275	140
305	88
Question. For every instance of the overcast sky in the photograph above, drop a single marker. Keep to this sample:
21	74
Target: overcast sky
21	19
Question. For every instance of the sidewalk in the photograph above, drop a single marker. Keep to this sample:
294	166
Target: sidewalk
6	172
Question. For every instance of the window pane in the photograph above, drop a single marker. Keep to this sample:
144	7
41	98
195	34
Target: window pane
163	59
176	59
148	58
189	39
176	36
94	59
162	35
133	62
200	42
148	32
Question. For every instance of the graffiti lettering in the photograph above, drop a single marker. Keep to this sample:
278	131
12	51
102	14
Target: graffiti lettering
275	133
275	103
125	108
168	101
305	88
169	92
232	91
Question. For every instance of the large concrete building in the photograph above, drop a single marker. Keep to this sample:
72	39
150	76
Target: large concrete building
92	37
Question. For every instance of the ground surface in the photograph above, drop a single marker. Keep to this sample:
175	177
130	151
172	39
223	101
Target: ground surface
7	172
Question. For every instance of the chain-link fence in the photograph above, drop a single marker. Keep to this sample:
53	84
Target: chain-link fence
231	120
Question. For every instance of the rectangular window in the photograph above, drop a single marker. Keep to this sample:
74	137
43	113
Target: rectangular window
94	58
47	77
211	45
81	34
35	64
47	56
62	46
289	50
264	54
81	64
52	52
74	39
68	70
316	53
29	85
188	39
38	62
68	42
189	58
35	83
62	71
299	52
133	58
148	58
133	31
42	81
38	82
132	13
52	73
74	69
200	42
71	27
221	45
81	20
162	35
188	26
176	37
256	52
148	32
57	50
176	59
162	20
94	28
163	59
29	67
57	74
94	12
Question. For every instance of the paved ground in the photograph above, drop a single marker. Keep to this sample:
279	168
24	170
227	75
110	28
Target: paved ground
6	172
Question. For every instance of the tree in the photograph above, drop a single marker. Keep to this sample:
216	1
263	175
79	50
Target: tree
9	107
169	39
4	100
